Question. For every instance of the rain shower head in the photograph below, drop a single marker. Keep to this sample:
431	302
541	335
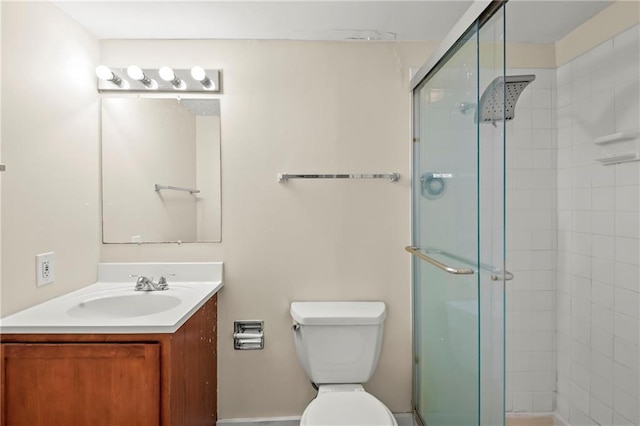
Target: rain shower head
503	91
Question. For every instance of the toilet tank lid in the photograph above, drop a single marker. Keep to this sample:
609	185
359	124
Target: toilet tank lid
334	313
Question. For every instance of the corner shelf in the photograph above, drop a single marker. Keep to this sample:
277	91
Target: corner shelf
618	158
625	152
617	137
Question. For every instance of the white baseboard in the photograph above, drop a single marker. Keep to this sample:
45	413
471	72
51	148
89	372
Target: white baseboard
261	421
403	419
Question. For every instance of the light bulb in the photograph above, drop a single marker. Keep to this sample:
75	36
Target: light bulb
198	73
135	72
104	73
167	74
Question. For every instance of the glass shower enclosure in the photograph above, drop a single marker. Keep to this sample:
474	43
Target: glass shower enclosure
458	224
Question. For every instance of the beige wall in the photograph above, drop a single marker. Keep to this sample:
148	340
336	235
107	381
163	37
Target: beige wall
286	107
50	191
301	107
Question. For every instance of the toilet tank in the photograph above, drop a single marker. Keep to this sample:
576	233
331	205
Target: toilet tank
338	342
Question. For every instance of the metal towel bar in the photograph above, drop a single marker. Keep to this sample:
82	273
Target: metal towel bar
392	177
496	273
176	188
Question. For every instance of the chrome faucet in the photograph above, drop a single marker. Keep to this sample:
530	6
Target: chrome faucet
146	284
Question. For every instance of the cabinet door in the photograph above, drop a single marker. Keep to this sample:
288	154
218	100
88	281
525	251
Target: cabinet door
81	384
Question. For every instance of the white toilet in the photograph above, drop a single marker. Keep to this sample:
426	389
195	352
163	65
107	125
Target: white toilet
338	345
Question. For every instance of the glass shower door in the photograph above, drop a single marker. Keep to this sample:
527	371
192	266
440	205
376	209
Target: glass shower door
458	238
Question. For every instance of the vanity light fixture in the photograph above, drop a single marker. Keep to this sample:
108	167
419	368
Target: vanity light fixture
164	79
167	74
104	73
136	73
200	75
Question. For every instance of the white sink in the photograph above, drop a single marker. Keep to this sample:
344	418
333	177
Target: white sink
124	306
111	305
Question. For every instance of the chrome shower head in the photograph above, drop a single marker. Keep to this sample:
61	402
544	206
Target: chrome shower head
494	97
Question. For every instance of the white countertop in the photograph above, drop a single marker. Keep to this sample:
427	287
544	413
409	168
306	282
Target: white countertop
60	315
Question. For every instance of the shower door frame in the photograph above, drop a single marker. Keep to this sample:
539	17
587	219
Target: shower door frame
480	12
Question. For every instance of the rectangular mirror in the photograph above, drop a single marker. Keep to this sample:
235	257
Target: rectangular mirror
160	170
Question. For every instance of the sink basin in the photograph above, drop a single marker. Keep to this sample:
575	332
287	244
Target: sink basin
124	306
111	306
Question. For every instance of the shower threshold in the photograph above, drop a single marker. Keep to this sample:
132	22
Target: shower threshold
533	420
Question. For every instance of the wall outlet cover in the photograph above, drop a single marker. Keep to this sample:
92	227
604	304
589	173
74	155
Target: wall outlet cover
45	268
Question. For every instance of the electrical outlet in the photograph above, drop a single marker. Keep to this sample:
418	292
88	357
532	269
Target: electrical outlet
45	268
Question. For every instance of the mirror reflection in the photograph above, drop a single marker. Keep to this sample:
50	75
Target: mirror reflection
160	170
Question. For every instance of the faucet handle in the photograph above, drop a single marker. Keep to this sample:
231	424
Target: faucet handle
163	280
142	283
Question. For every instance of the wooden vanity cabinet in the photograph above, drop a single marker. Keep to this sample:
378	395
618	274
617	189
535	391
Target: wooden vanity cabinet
112	379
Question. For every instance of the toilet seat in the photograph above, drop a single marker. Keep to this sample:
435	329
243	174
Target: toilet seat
346	405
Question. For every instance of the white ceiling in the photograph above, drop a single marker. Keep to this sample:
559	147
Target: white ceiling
528	20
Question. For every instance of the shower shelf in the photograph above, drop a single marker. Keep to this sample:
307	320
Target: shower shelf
617	137
611	153
618	158
392	177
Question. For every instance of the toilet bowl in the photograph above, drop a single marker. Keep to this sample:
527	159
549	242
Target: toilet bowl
338	345
341	405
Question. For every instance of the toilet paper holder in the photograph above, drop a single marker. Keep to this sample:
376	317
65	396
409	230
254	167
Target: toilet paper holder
248	335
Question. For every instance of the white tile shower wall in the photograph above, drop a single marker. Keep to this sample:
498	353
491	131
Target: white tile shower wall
598	240
531	246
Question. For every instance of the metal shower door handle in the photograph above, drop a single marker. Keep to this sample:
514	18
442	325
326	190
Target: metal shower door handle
496	273
456	271
504	275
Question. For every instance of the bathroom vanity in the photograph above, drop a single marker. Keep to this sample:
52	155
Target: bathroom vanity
137	370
